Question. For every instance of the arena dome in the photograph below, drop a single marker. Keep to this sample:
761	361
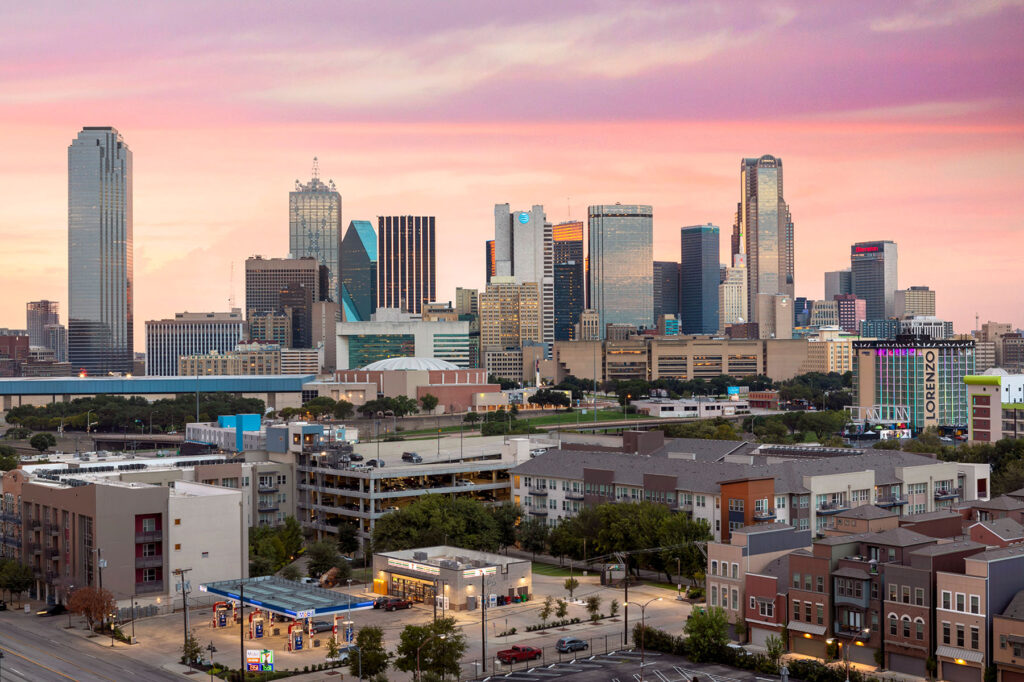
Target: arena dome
392	364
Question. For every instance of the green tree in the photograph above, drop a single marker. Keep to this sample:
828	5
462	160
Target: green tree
545	611
43	441
708	633
594	607
321	557
290	533
437	520
370	641
343	409
438	656
9	458
291	572
428	402
682	533
776	648
191	652
533	535
570	584
613	608
321	406
332	648
348	538
561	608
506	516
15	578
471	417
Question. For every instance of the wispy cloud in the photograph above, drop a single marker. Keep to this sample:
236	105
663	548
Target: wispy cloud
940	13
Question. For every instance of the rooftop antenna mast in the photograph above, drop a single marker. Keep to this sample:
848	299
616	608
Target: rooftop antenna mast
316	168
231	293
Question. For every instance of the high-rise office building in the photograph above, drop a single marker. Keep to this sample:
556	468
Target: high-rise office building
775	312
314	227
190	334
802	311
466	301
665	288
524	250
359	271
838	282
406	277
38	314
510	314
874	277
266	278
732	296
490	267
567	241
569	297
622	264
851	312
766	230
100	263
699	279
297	301
55	337
912	302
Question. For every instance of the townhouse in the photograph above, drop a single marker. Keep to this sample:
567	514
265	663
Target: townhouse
1008	638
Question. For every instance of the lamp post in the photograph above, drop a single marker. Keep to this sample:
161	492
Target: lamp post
422	644
212	649
846	649
643	630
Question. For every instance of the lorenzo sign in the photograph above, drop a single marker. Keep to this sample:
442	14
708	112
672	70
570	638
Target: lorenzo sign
931	393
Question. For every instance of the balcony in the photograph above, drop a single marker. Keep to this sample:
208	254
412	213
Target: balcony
947	493
270	488
51	552
764	514
35	524
149	587
155	561
33	547
267	507
573	495
149	536
886	501
539	492
53	530
829	508
50	576
537	511
8	517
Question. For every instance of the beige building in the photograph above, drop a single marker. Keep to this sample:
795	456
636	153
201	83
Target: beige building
732	298
829	352
251	359
994	332
915	302
271	328
439	312
466	301
266	482
326	315
775	316
589	327
824	314
510	314
302	360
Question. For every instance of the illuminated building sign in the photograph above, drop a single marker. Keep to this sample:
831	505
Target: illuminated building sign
867	249
259	660
886	352
524	218
930	391
477	572
413	566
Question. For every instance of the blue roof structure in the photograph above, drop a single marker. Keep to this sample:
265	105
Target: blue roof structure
364	228
286	597
349	311
272	383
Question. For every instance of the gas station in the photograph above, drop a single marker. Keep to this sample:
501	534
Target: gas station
293	603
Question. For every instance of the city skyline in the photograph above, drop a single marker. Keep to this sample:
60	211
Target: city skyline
927	156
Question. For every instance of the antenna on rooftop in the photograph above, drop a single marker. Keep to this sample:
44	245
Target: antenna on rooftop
316	168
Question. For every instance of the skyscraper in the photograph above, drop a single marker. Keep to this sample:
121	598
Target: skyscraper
100	269
38	314
190	334
314	227
359	271
874	277
567	239
699	279
732	295
838	282
405	262
266	278
622	264
524	250
490	267
665	289
851	311
568	299
765	230
509	314
912	302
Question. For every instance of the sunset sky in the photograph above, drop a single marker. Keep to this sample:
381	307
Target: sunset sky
894	120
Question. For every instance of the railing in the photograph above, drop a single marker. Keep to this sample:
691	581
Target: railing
537	511
34	547
267	488
149	586
890	500
35	524
149	561
539	492
8	517
149	536
947	493
764	514
573	495
267	508
832	507
51	552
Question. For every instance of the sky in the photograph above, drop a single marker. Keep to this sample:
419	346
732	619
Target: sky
894	120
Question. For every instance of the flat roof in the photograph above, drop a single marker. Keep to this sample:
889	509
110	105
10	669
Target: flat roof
286	597
268	383
460	558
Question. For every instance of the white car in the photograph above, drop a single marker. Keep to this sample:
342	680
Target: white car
463	482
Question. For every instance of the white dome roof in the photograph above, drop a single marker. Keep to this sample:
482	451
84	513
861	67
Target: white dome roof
409	364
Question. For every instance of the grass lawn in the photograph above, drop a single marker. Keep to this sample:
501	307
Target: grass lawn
553	569
570	417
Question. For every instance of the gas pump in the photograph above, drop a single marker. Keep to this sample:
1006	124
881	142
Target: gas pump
348	632
295	636
256	625
220	613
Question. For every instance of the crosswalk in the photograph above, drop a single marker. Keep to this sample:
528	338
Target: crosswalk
609	667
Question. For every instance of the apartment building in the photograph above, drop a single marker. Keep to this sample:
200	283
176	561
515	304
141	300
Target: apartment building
1008	641
996	403
767	602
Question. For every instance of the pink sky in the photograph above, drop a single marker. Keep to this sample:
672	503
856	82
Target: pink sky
899	120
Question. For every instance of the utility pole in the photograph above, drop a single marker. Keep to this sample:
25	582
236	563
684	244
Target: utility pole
241	628
184	601
99	565
483	623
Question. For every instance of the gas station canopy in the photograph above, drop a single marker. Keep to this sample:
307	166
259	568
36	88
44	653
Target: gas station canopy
285	597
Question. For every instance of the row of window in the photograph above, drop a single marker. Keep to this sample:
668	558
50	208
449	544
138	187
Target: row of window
725	569
725	597
894	628
901	594
946	639
959	601
818	611
819	582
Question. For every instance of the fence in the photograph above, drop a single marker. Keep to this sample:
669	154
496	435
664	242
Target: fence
196	603
597	645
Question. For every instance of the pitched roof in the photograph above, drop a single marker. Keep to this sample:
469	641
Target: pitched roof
927	516
1005	529
851	572
866	512
948	548
1001	503
900	537
702	449
1015	609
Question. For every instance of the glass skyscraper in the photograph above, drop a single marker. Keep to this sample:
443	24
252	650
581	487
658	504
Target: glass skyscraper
524	250
405	262
622	264
359	271
314	227
100	273
765	229
666	289
699	277
873	277
570	277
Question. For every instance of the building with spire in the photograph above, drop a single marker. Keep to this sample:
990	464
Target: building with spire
314	226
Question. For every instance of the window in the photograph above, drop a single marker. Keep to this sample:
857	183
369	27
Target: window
946	597
149	549
892	554
780	502
960	602
718	502
735	599
807	611
714	568
820	584
718	525
148	575
919	596
206	555
149	525
945	632
766	609
975	604
893	588
796	609
714	595
796	580
906	627
1002	641
919	625
807	582
820	613
874	590
974	637
753	603
959	635
177	547
906	594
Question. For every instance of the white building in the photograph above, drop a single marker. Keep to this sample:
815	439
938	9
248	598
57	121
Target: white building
392	333
190	334
524	250
207	532
732	296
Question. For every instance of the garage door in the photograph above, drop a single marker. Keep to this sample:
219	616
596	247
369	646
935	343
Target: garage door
959	673
862	654
902	663
759	636
1010	676
808	647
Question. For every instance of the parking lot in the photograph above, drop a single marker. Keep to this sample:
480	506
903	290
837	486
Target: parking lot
620	666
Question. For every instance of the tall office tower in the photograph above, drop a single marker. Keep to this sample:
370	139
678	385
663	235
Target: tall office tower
100	270
190	334
622	264
524	250
567	241
271	328
699	279
665	288
776	314
314	227
406	277
912	302
325	333
510	314
732	295
568	299
802	311
735	239
266	278
766	230
55	337
359	272
297	301
490	267
838	282
38	314
851	311
466	301
874	276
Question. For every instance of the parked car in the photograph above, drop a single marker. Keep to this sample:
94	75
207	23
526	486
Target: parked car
355	457
567	644
394	604
309	581
379	463
379	602
463	482
55	610
411	457
737	650
318	626
390	509
519	653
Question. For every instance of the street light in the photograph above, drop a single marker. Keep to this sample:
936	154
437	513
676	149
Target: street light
212	649
422	644
846	650
643	630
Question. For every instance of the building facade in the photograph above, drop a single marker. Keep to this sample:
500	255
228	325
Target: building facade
510	314
699	279
665	289
406	274
314	227
621	282
766	230
39	314
915	302
101	289
266	278
732	296
524	250
851	311
358	271
996	404
569	293
838	282
874	278
251	359
190	334
393	334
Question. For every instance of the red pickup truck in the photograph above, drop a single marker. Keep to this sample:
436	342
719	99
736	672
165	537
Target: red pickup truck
519	653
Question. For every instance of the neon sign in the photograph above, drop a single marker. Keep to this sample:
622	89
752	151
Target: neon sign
477	572
866	249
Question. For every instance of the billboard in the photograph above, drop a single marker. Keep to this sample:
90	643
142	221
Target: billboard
259	660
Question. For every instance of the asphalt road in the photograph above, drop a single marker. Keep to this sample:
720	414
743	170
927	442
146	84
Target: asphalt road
37	650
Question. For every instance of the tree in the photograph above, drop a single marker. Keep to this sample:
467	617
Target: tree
533	535
343	409
321	557
348	538
570	584
507	516
332	648
545	611
290	533
43	441
9	458
471	417
708	633
321	406
437	656
191	652
291	572
561	608
370	641
613	608
682	533
594	607
438	520
15	578
776	648
428	402
92	603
